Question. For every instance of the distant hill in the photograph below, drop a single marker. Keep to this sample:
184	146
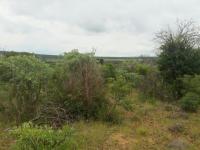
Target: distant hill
42	56
53	58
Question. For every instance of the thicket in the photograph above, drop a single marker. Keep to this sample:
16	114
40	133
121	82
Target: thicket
24	80
79	86
75	88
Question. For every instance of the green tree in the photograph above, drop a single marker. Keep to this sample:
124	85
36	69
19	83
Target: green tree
178	55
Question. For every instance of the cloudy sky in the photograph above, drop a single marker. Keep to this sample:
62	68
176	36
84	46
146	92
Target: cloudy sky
112	27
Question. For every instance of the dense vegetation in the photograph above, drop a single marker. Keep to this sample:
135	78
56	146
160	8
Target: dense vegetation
46	100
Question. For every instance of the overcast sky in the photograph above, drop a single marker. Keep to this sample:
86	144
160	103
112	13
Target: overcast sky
112	27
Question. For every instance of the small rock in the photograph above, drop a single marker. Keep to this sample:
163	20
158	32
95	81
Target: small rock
176	128
183	115
178	144
178	115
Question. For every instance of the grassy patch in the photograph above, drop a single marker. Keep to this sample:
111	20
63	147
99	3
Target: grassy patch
146	127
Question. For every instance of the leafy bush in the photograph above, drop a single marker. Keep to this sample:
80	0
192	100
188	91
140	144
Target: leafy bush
191	84
190	102
142	69
119	87
30	137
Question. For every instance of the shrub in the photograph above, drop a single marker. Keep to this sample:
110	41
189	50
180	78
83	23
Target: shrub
152	85
142	131
142	69
119	88
26	79
191	84
42	137
127	104
114	116
109	71
79	84
190	102
133	79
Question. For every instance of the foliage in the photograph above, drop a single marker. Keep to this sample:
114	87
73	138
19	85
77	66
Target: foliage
109	71
190	102
150	84
191	84
118	90
30	137
178	55
142	69
79	84
26	78
191	98
119	87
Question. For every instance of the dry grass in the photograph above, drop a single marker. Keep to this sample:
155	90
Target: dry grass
5	140
147	127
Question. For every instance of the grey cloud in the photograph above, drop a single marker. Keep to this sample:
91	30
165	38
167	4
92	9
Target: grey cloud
115	27
93	16
16	27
